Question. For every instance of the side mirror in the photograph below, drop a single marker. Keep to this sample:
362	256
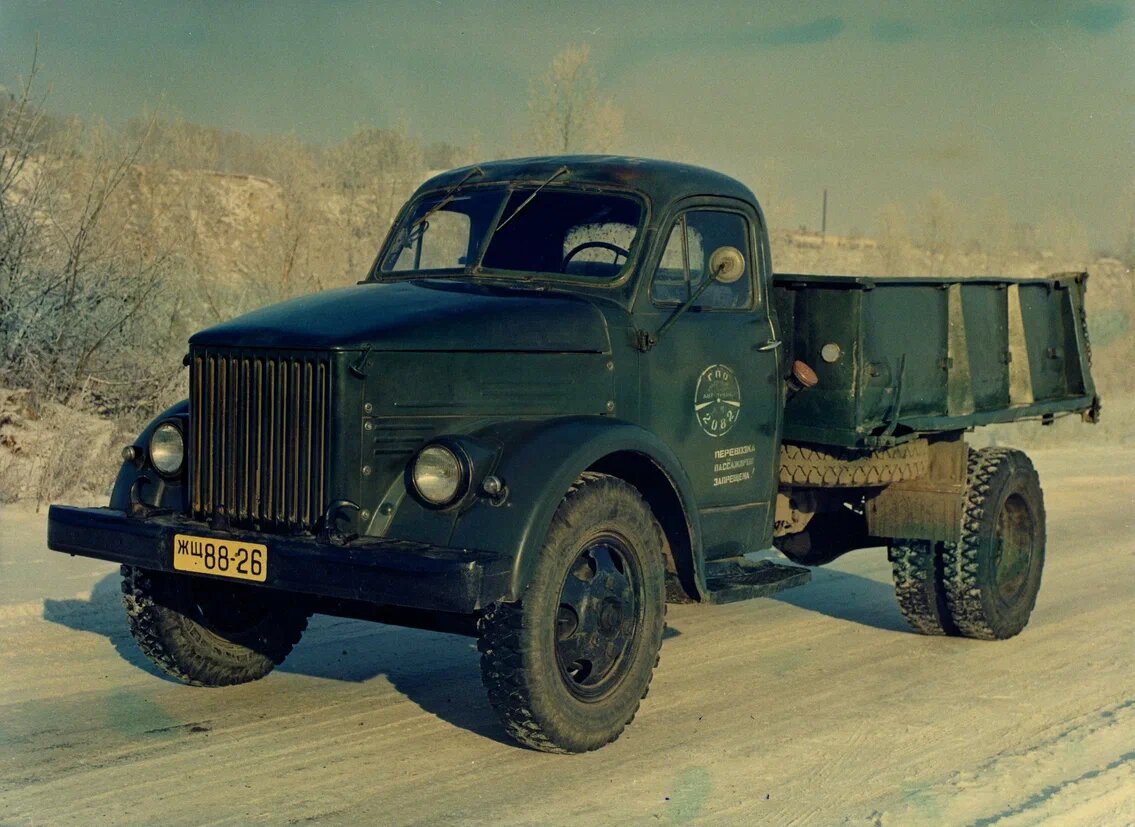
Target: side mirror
726	264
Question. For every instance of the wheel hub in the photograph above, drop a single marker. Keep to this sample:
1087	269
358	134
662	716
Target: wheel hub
610	617
1013	547
596	620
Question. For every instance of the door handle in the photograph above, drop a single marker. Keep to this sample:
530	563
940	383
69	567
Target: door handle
771	344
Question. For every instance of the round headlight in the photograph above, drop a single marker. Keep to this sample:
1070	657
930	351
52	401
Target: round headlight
439	476
167	449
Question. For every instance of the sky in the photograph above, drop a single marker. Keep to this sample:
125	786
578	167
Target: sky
1028	104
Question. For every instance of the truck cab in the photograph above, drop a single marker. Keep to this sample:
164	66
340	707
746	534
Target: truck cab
686	346
556	402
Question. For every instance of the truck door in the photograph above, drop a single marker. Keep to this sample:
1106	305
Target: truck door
712	383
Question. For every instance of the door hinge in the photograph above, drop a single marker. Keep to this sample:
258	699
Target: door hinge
644	340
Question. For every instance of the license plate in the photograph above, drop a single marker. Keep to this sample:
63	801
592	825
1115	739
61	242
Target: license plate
224	558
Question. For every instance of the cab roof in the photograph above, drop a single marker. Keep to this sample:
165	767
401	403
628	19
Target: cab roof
660	181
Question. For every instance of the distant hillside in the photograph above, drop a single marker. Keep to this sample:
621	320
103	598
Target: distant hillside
247	239
191	247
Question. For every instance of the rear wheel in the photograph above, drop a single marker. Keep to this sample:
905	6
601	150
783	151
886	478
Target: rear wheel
567	667
992	576
207	632
917	569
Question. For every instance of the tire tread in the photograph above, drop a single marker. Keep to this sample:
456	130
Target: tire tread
916	566
500	639
167	637
961	560
810	466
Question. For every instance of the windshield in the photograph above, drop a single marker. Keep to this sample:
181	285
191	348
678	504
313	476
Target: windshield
586	235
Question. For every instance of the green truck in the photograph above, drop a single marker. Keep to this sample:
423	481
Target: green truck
569	391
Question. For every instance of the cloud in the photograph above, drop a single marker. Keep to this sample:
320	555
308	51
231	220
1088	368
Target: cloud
1092	18
1099	18
820	30
893	31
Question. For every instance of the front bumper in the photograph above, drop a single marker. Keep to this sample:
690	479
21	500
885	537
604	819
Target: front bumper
371	569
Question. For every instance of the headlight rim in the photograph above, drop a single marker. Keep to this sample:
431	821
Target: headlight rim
174	425
464	470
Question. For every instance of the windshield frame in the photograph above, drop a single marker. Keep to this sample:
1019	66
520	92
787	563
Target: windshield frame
508	188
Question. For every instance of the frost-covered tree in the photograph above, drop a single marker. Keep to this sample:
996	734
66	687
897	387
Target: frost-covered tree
566	112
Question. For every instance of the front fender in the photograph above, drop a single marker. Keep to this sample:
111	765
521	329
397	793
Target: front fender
138	482
538	463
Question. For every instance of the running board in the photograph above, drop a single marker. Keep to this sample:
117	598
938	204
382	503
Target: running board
737	578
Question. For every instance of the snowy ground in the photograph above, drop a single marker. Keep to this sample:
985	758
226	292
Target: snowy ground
819	707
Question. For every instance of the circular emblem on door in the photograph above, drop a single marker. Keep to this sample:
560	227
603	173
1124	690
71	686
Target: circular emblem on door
717	400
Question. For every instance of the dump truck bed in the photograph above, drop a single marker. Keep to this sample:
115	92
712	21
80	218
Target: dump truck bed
899	358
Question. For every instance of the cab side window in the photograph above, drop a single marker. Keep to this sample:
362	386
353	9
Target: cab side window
694	238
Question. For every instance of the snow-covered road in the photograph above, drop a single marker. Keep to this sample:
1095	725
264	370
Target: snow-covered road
818	707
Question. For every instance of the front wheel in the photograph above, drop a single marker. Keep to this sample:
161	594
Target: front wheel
567	666
207	632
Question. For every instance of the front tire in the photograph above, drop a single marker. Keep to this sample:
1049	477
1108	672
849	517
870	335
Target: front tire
992	576
207	632
567	666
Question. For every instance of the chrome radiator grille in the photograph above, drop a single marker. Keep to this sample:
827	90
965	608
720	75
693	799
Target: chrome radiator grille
259	431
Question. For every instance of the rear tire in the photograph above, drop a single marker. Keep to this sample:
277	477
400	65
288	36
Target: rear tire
917	569
992	576
567	667
206	632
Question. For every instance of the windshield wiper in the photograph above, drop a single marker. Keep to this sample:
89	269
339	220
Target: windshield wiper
445	199
410	235
528	200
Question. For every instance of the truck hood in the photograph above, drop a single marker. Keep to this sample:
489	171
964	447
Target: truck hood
421	315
